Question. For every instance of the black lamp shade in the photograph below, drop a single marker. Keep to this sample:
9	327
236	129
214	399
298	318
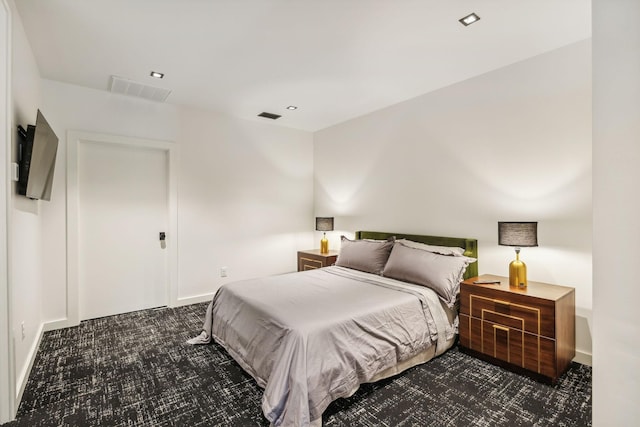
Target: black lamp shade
324	223
519	234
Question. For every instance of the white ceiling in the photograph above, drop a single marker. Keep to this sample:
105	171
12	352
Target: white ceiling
334	59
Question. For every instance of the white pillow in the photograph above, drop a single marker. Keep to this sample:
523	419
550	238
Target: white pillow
442	250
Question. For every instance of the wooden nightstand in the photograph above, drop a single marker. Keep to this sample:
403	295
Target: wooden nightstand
529	330
308	260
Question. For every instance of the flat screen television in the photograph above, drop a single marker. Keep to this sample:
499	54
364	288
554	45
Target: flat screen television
37	160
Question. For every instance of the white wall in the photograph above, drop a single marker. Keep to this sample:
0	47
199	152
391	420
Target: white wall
25	216
245	199
616	229
7	378
513	144
244	188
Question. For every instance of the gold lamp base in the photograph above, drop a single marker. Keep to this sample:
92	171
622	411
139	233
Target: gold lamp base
518	272
324	245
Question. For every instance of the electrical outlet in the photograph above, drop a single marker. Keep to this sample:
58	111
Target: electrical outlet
223	271
24	334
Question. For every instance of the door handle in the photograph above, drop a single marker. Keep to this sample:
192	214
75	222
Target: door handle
163	236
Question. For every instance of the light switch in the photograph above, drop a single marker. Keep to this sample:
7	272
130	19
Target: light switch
15	172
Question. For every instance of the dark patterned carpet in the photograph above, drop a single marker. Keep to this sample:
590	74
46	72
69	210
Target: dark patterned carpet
135	370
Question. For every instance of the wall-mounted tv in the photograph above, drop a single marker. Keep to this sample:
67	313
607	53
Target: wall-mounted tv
37	159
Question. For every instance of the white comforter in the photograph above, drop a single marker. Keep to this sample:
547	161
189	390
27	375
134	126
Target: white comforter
309	338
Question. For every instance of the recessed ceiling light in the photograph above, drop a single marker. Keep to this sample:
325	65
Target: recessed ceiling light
469	19
292	107
157	75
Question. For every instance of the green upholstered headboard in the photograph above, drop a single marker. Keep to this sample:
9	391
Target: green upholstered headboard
470	245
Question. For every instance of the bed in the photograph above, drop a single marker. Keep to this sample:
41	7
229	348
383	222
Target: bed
309	338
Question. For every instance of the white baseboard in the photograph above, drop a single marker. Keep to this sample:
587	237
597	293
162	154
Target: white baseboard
583	357
58	324
23	375
194	300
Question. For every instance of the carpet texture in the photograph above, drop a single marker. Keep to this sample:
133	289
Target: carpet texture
135	369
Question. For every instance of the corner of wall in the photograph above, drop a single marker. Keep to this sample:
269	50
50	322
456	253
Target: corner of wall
584	358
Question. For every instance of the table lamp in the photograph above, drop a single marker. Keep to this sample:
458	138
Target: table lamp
518	234
324	224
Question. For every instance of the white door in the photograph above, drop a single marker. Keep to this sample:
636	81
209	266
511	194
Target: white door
122	208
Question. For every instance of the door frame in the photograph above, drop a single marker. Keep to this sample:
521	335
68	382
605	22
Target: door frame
74	139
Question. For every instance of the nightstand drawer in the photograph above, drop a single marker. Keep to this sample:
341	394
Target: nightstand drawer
515	346
307	263
313	258
524	316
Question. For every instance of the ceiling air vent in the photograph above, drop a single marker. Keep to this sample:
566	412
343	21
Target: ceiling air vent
269	115
131	88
